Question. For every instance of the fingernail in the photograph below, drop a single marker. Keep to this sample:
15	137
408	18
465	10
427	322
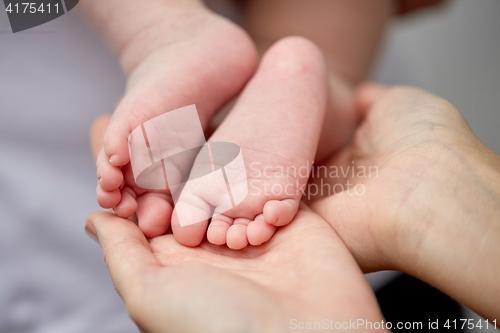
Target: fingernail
113	159
91	232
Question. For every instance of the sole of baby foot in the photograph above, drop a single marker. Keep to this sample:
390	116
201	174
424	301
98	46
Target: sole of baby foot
207	70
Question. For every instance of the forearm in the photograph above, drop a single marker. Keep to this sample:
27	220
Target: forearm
128	26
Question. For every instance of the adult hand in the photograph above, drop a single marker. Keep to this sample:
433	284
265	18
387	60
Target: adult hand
431	206
304	274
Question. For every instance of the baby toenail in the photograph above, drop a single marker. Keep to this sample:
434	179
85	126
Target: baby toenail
112	159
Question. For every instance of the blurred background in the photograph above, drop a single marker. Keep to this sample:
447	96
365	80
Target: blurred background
454	52
56	78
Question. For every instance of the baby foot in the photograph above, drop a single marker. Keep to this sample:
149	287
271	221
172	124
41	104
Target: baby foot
276	122
208	67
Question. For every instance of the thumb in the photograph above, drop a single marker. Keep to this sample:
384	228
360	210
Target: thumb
125	249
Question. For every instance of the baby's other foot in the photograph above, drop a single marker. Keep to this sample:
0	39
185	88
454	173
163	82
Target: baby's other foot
276	122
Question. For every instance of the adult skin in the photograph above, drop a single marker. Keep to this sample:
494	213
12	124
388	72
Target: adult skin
433	209
304	274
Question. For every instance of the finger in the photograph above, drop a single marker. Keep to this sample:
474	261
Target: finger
399	108
97	133
125	249
367	95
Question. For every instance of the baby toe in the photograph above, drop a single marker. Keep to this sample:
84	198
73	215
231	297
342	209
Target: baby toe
109	176
280	212
115	143
259	232
236	238
108	199
217	230
190	219
153	213
128	203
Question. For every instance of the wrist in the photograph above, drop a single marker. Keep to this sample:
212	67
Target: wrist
455	238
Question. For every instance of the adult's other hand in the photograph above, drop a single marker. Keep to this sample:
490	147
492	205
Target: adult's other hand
431	206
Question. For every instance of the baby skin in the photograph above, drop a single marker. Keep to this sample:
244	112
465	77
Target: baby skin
277	123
